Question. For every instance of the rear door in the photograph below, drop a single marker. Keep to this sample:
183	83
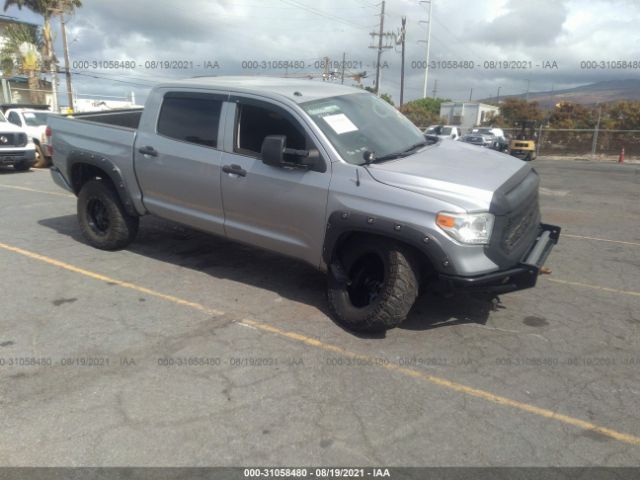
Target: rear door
277	208
178	159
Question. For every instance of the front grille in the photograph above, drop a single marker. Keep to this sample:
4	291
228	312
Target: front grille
13	139
519	224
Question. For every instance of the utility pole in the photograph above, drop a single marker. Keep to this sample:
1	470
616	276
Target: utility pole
403	34
53	71
594	145
470	94
498	96
380	33
344	55
380	47
325	74
435	87
67	73
428	42
526	97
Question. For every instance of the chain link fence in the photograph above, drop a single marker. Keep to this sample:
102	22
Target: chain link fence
605	144
585	142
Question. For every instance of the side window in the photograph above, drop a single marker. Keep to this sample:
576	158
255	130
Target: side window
190	118
14	118
256	122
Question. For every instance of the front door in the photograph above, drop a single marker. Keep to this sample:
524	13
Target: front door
277	208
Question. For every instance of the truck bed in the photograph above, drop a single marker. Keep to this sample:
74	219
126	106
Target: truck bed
129	118
105	139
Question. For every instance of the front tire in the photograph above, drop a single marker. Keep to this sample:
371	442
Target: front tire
103	220
22	166
41	160
383	287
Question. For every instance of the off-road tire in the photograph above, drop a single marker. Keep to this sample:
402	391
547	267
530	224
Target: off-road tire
398	289
41	160
103	220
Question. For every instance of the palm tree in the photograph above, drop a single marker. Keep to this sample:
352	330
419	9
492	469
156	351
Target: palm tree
47	9
21	53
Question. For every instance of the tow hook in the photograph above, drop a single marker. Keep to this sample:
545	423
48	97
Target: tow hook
495	303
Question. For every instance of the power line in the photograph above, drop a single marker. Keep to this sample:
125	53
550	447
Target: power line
322	13
91	75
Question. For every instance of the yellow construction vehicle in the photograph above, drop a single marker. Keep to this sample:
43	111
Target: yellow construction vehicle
523	145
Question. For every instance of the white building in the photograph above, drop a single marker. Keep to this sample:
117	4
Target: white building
467	114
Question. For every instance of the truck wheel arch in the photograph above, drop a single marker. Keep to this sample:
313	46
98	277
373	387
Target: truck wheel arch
83	167
344	226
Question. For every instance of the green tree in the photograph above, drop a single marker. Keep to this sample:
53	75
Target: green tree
47	9
624	115
573	115
387	98
20	53
514	111
424	111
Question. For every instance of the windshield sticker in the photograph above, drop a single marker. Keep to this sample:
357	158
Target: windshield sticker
340	123
29	115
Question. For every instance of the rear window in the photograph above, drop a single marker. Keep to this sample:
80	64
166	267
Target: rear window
191	118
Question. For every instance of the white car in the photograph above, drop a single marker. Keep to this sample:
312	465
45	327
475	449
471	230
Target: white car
444	131
496	132
34	123
16	147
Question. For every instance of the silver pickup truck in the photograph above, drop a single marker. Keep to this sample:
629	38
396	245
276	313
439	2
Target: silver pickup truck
324	173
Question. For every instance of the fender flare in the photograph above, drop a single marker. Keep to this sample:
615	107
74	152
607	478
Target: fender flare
346	222
109	168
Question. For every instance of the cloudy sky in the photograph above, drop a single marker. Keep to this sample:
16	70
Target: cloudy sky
217	36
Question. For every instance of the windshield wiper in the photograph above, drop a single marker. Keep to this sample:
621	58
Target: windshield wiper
403	153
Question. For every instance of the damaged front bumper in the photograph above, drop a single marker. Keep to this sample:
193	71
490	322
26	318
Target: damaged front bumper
523	275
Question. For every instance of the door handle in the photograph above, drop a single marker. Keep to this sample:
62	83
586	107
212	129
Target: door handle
235	170
148	150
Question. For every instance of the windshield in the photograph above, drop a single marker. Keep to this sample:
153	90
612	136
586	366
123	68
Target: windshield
446	131
2	117
35	119
361	122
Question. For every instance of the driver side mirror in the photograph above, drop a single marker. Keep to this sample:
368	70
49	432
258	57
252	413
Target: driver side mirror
272	150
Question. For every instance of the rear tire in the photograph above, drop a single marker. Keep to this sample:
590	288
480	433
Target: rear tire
103	220
384	285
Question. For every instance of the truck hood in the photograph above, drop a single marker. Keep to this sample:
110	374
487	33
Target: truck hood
9	127
465	175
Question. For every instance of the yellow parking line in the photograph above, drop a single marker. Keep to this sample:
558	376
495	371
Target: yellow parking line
409	372
595	287
27	189
104	278
597	239
443	382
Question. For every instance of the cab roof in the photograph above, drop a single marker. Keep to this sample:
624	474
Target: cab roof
295	89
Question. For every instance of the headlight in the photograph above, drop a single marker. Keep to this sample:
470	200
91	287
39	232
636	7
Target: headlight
470	228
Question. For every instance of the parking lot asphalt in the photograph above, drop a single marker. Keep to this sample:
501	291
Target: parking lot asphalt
190	350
